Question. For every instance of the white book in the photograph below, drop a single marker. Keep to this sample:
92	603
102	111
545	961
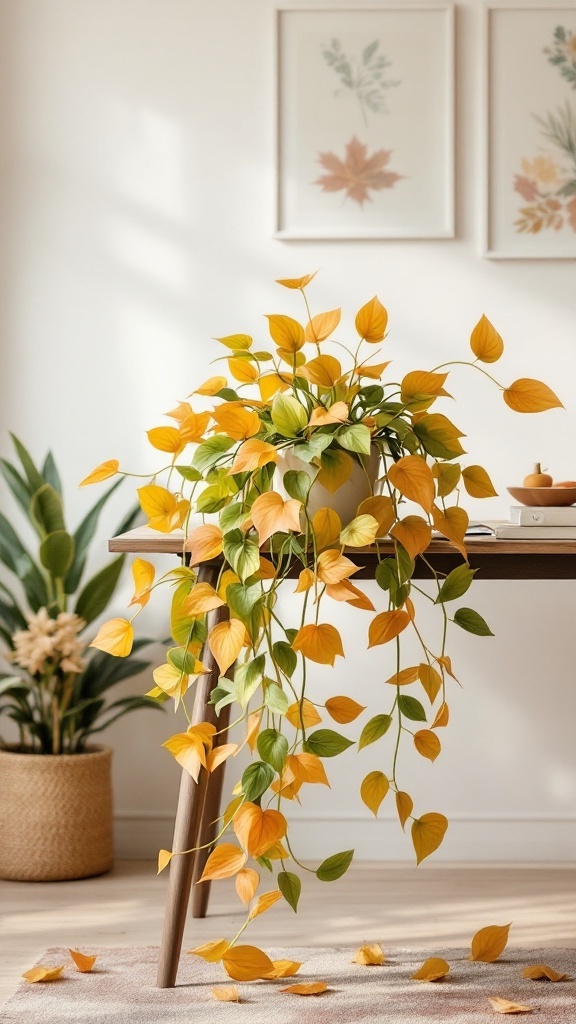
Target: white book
510	531
528	515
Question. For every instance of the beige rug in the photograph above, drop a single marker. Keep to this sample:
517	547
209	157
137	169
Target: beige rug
121	989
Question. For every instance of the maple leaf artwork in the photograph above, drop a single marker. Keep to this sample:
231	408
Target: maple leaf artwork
358	174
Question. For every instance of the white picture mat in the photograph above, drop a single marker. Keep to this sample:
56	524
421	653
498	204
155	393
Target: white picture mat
418	130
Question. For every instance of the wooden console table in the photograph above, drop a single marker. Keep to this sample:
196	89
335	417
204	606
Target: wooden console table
199	803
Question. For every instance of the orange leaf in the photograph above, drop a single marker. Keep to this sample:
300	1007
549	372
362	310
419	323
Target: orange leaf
541	972
345	591
372	370
373	790
257	830
322	325
526	395
421	384
247	881
204	543
371	321
115	637
326	526
284	969
286	332
442	716
307	768
246	963
386	626
226	641
337	413
202	598
431	681
264	902
413	533
452	523
303	714
382	509
226	993
42	974
226	860
193	425
412	476
296	282
485	342
164	858
404	805
211	952
218	755
343	709
325	371
252	454
427	834
489	943
305	581
102	472
143	574
83	962
500	1005
236	421
271	514
166	439
307	988
243	370
369	956
333	566
433	969
478	483
404	676
427	744
321	643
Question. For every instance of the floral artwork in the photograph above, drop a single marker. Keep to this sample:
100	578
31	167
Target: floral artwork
363	76
358	173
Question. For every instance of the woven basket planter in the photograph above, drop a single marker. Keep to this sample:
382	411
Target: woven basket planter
55	815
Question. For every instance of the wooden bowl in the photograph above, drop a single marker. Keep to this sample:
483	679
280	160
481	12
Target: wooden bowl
544	496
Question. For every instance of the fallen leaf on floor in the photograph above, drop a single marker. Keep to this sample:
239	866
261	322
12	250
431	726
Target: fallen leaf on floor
489	943
284	969
307	988
212	952
541	971
226	994
164	858
369	956
246	963
43	974
432	969
500	1005
83	963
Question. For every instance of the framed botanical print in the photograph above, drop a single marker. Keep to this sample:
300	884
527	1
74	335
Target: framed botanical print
530	198
365	120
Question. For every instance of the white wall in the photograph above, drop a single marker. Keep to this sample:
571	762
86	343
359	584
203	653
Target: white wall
137	192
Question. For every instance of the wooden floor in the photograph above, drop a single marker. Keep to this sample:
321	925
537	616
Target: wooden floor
395	905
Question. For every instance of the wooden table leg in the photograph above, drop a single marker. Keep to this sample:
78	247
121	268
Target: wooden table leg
209	822
188	817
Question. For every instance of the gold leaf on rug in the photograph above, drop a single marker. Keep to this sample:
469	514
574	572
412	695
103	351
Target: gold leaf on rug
284	969
432	969
307	988
489	943
500	1005
212	952
83	962
164	858
43	974
539	972
369	956
264	902
246	963
226	994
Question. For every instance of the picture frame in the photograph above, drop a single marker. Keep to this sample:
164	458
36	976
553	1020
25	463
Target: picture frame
530	127
365	120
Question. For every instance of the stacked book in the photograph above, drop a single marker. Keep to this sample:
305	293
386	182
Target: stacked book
528	522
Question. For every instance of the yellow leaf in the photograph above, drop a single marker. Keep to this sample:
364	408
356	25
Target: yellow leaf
489	943
284	969
413	533
211	386
404	677
253	728
164	858
243	370
478	483
294	359
223	862
427	834
441	717
166	439
420	384
102	472
371	321
115	637
231	809
246	963
540	972
452	523
286	332
500	1005
271	514
202	598
386	626
343	709
412	476
204	543
307	988
83	962
143	573
258	830
264	902
303	714
164	512
345	591
433	969
193	425
431	680
373	790
404	805
382	508
211	952
236	342
307	768
485	342
296	282
446	663
321	643
189	748
305	581
321	417
42	974
277	852
171	680
270	384
336	473
526	395
253	454
218	755
247	881
447	475
226	993
427	744
326	526
369	956
372	370
322	325
333	567
361	532
236	421
325	371
226	641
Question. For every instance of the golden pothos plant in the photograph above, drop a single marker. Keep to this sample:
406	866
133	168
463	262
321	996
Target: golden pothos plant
224	463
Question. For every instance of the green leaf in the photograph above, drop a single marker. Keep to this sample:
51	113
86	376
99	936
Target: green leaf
355	438
209	452
275	698
472	622
83	536
189	473
290	887
456	583
241	598
284	657
242	553
374	729
326	743
405	565
33	476
313	448
46	512
180	622
50	473
256	779
57	552
273	748
288	416
181	659
19	561
386	574
96	594
223	694
19	487
334	867
212	499
233	516
411	708
297	484
248	678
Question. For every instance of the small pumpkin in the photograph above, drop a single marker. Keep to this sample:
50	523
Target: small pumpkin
538	478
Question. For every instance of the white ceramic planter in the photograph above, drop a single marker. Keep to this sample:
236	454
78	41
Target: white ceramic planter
360	485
